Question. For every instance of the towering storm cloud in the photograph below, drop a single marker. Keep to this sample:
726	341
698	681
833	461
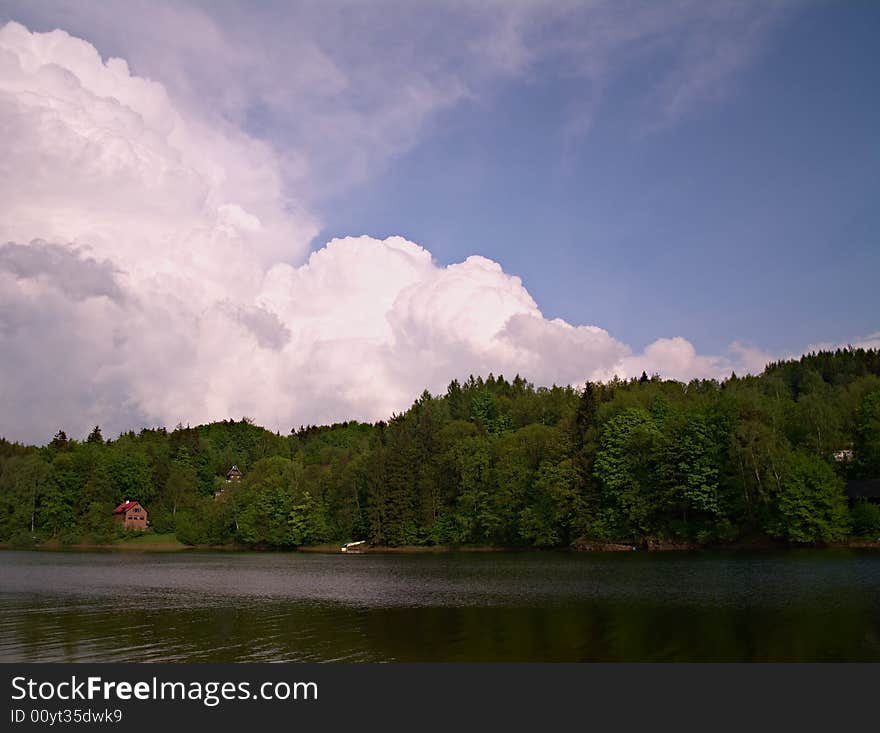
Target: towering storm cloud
153	269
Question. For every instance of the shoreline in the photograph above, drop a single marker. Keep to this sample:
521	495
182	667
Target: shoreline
335	549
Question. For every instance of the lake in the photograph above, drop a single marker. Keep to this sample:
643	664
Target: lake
803	605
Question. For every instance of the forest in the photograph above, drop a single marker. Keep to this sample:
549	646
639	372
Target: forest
490	462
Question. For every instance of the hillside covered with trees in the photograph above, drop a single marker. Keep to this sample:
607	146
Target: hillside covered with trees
493	462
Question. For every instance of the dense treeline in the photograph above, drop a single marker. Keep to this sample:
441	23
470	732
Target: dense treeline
491	461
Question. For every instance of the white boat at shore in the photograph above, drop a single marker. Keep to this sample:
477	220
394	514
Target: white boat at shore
353	546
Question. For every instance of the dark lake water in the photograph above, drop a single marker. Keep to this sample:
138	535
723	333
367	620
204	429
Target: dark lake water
198	607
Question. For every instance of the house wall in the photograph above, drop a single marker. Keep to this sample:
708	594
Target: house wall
134	518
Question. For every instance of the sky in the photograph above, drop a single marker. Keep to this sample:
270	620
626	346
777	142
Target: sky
310	212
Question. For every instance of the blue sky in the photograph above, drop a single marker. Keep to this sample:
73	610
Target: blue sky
565	190
754	217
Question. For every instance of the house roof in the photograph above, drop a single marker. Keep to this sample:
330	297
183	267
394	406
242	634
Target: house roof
868	488
125	506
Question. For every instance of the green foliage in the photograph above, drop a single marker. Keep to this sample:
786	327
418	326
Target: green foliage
867	434
95	436
551	516
307	522
810	505
626	469
865	519
21	540
206	522
266	499
490	461
97	523
129	471
23	482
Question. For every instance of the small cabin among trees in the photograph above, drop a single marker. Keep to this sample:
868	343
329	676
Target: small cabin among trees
131	514
233	474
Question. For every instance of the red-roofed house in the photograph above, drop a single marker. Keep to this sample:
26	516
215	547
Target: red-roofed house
131	514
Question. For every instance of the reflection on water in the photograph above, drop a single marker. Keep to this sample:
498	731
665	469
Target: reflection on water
804	605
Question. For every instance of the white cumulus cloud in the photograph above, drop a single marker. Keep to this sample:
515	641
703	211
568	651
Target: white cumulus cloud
152	270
